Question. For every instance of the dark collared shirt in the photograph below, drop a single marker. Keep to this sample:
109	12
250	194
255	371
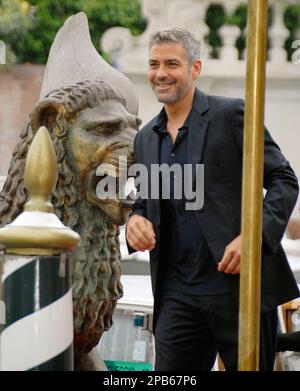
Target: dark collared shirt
191	267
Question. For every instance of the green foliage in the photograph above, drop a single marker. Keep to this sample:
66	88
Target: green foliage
240	19
215	18
106	13
292	22
29	26
16	17
50	15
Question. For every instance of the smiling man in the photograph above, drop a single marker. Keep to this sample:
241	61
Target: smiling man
195	254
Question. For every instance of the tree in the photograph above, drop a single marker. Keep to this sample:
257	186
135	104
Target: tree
51	14
16	17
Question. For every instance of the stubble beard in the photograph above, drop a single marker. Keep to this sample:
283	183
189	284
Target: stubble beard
172	96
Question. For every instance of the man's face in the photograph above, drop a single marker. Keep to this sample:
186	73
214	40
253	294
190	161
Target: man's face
170	74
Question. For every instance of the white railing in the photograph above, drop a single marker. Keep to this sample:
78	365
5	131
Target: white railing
130	52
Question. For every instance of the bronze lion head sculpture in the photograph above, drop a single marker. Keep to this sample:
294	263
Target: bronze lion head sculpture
90	125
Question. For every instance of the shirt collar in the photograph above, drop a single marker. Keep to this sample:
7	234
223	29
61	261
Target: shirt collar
187	121
159	125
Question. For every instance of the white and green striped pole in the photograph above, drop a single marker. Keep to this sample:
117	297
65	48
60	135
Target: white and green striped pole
36	310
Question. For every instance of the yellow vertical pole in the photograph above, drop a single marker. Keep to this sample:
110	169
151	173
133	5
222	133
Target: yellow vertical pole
249	316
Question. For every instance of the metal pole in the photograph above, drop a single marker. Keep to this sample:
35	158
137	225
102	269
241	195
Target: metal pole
250	280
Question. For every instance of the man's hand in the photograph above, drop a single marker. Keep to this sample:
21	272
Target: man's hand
140	234
230	263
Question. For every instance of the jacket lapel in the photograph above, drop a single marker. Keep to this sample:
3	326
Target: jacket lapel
151	148
197	129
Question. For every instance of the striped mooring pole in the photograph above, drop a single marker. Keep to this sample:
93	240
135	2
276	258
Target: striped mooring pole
36	309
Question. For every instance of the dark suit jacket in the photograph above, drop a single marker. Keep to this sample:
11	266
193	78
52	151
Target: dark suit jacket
216	139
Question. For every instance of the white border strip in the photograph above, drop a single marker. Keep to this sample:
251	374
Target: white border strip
38	337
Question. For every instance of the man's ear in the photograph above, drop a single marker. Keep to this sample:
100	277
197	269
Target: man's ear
45	113
197	66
